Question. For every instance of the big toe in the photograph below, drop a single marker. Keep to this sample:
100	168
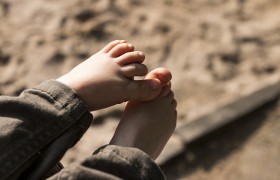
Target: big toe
162	74
144	90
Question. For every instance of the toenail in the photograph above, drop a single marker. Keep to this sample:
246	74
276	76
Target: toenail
141	54
122	41
130	46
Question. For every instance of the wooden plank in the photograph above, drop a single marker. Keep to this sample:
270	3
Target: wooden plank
189	132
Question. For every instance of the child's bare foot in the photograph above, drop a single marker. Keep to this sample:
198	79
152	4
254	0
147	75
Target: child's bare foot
106	78
149	125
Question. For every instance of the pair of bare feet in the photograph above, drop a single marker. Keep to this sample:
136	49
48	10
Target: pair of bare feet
107	78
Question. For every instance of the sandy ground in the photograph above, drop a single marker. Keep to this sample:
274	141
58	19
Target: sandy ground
217	50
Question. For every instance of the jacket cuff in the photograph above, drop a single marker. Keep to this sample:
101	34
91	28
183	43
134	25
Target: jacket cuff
67	101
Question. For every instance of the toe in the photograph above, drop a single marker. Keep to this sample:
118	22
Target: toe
170	96
144	90
132	70
121	49
165	90
174	103
130	57
162	74
175	117
111	45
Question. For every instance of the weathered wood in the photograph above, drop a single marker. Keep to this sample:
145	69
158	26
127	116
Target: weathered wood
189	132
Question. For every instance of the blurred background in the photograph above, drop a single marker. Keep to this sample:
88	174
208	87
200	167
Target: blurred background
217	50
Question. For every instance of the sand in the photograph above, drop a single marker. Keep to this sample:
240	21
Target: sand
217	50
